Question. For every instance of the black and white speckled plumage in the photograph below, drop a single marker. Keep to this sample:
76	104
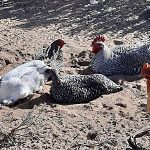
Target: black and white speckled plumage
121	60
80	88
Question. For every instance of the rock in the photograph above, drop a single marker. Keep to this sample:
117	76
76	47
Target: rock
137	86
117	42
143	105
107	107
121	105
82	59
84	63
92	135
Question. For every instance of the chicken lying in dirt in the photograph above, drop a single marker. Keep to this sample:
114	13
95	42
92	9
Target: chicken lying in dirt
73	89
119	60
80	88
23	81
145	72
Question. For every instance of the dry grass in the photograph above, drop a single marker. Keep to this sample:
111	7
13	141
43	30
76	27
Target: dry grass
10	137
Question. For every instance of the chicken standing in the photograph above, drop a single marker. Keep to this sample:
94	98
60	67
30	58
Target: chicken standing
121	60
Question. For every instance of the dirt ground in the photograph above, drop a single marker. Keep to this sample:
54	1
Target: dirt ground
105	123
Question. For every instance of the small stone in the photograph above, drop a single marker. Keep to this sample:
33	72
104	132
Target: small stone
107	107
131	118
116	42
117	131
92	135
121	105
137	86
84	63
7	62
143	105
122	114
83	54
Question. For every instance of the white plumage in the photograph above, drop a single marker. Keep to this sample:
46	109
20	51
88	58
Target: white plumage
23	81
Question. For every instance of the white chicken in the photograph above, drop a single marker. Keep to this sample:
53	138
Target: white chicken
23	81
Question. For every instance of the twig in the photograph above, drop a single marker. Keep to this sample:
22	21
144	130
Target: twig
8	137
132	139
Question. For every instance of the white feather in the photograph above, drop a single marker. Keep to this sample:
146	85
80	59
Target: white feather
34	65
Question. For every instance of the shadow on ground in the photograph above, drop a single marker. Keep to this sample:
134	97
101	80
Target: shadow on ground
75	16
30	102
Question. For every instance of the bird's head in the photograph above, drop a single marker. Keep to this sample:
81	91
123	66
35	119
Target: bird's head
145	71
98	44
59	43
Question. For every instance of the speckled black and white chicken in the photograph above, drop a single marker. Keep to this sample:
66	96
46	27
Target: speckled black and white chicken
121	60
80	88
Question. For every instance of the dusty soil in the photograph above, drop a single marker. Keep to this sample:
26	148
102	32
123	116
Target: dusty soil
105	123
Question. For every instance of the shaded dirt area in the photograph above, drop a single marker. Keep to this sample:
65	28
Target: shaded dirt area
75	16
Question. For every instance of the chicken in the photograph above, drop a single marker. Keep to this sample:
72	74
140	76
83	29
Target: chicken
121	60
145	72
46	54
80	88
23	81
55	46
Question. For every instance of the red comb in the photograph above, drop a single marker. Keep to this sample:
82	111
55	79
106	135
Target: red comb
99	38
